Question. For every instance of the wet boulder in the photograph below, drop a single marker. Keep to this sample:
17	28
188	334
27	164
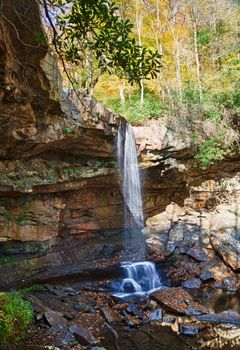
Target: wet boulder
178	300
169	319
156	315
54	318
189	329
206	275
110	315
82	307
134	310
230	284
82	335
225	317
193	283
65	340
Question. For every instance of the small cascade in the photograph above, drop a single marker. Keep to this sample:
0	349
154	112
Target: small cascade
140	276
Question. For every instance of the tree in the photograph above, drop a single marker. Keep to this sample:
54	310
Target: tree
92	30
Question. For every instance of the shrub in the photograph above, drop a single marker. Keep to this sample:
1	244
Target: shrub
15	317
211	151
132	110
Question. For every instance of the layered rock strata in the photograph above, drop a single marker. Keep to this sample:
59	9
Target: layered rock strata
61	208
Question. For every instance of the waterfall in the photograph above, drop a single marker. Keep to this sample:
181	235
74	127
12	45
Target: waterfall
128	165
131	190
140	276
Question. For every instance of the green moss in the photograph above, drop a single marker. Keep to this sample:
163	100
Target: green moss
71	172
31	289
67	131
8	216
21	219
52	175
4	260
15	317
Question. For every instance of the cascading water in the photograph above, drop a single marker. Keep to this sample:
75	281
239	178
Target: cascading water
131	189
140	276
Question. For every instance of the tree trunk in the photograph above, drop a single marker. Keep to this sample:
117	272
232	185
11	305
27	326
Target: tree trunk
139	29
178	70
121	93
197	60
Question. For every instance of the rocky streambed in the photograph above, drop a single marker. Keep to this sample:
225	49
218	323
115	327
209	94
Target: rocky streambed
76	314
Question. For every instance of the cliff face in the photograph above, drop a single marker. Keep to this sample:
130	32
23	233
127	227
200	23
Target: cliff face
61	209
57	160
205	226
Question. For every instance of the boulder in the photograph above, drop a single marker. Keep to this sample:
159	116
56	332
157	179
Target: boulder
82	335
134	310
225	317
193	283
156	315
227	244
206	275
110	315
230	283
197	254
189	329
178	301
54	318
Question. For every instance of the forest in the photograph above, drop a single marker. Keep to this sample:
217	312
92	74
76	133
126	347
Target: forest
195	77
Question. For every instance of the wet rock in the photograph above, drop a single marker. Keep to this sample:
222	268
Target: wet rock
230	284
93	310
197	254
206	275
55	291
120	306
128	287
177	300
156	315
68	316
82	307
110	315
133	321
189	329
37	305
169	319
225	317
65	340
153	304
193	283
82	335
54	318
39	316
133	310
70	291
145	320
196	310
97	348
